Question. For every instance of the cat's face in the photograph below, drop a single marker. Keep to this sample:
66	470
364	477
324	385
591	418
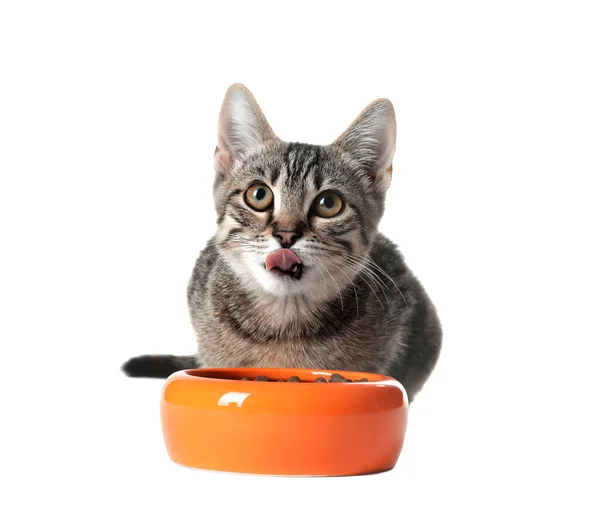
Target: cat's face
297	218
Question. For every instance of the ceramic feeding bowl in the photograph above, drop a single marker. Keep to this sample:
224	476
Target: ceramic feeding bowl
298	422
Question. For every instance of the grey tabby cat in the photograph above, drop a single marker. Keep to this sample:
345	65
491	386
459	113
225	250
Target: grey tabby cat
297	274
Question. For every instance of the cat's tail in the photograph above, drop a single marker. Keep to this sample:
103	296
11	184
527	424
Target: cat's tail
158	366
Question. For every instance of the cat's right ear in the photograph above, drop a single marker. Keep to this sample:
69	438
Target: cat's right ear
242	126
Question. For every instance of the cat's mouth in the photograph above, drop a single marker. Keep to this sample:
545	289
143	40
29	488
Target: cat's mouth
284	262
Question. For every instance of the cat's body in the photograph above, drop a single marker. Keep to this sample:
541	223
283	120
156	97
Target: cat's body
383	334
297	274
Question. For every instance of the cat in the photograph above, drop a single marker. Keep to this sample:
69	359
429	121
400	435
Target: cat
297	274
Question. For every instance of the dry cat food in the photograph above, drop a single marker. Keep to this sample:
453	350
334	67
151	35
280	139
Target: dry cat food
335	378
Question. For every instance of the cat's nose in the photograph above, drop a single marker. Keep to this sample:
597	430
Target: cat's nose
287	238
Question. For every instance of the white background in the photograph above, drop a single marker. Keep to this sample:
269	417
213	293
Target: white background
108	115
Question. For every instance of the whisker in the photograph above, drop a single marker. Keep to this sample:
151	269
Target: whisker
353	286
365	268
327	249
322	278
359	274
248	245
361	266
370	260
336	283
368	266
383	287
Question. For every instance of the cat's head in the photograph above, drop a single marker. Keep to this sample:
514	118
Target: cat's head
298	218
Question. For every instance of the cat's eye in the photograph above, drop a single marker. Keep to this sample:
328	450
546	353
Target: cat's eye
259	197
327	205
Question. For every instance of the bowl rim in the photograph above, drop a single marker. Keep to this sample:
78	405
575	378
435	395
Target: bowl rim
202	374
189	388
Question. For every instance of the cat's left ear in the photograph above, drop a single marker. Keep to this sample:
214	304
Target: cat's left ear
242	126
371	141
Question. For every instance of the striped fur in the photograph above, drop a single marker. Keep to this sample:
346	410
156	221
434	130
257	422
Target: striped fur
357	305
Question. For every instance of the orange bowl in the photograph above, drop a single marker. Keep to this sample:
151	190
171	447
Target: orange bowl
213	420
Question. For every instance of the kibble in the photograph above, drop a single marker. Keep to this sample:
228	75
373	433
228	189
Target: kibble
334	378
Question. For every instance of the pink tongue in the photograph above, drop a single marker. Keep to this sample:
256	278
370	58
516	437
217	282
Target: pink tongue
283	259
